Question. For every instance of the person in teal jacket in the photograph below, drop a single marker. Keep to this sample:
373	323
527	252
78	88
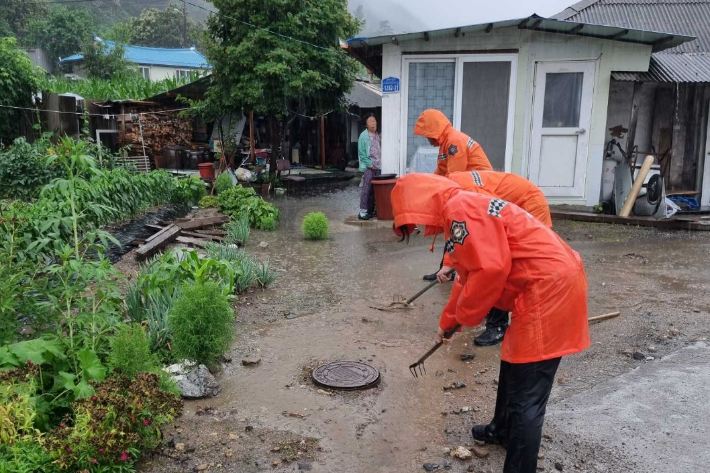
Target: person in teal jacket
370	157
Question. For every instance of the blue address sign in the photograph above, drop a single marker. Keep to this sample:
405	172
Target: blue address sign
390	85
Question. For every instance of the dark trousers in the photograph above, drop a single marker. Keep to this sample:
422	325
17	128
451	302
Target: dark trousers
523	392
367	194
496	318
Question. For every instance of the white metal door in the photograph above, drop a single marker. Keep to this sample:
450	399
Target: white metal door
705	189
562	113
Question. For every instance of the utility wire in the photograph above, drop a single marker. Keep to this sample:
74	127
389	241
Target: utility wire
104	115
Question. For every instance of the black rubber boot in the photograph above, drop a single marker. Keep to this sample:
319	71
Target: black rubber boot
430	277
485	433
492	336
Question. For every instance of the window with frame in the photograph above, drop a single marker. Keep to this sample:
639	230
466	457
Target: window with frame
431	85
183	74
145	72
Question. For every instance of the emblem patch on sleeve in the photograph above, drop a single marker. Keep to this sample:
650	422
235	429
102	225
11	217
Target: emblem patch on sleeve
495	207
459	232
453	150
477	179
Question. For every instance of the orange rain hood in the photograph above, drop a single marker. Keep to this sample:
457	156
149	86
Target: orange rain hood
420	198
432	124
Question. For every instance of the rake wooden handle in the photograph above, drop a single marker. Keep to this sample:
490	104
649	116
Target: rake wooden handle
432	284
597	318
448	334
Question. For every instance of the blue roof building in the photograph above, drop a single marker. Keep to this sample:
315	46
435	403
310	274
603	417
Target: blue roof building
154	63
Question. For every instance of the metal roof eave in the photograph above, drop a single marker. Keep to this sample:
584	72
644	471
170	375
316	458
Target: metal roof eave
658	40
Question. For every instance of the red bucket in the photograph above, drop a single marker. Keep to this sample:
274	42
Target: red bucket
383	201
206	170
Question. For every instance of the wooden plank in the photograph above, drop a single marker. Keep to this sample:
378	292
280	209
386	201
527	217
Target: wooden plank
213	231
160	239
668	223
202	223
205	235
191	241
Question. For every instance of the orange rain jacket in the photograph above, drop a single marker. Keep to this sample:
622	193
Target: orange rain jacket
504	258
457	150
509	187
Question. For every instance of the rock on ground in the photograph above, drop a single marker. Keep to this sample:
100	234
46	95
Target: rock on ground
195	383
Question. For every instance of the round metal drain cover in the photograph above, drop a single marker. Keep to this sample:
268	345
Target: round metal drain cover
348	375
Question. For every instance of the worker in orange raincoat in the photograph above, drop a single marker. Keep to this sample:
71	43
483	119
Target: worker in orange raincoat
504	258
516	190
457	151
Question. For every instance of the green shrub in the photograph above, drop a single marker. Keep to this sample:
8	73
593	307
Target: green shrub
208	201
263	215
223	183
189	191
265	274
225	252
315	226
45	226
201	324
130	351
246	276
240	200
233	201
109	429
238	230
24	169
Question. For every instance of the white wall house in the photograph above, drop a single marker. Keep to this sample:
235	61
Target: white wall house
153	63
533	92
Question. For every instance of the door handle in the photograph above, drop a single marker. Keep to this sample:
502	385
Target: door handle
581	131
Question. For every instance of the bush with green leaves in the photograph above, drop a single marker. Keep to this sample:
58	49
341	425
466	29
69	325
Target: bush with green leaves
78	202
189	191
239	200
315	226
109	430
265	274
113	88
244	265
201	323
24	169
130	351
238	230
223	183
20	80
208	201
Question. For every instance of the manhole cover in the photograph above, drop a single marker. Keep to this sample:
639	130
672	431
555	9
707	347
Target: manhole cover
346	375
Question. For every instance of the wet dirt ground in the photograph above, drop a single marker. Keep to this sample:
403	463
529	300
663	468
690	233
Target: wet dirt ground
271	416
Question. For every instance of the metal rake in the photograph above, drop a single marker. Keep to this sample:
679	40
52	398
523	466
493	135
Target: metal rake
420	362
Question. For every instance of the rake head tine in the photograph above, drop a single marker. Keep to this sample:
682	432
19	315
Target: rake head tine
413	370
422	368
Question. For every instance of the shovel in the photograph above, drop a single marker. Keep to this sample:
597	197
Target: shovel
407	303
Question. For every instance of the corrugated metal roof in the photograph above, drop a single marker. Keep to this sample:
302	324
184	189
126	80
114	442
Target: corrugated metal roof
659	40
681	67
188	58
365	95
688	17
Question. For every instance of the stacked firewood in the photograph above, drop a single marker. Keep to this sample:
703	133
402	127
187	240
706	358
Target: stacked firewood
159	130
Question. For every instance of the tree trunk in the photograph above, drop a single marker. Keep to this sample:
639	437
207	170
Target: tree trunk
274	139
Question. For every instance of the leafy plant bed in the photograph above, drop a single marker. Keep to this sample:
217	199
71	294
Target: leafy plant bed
239	200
